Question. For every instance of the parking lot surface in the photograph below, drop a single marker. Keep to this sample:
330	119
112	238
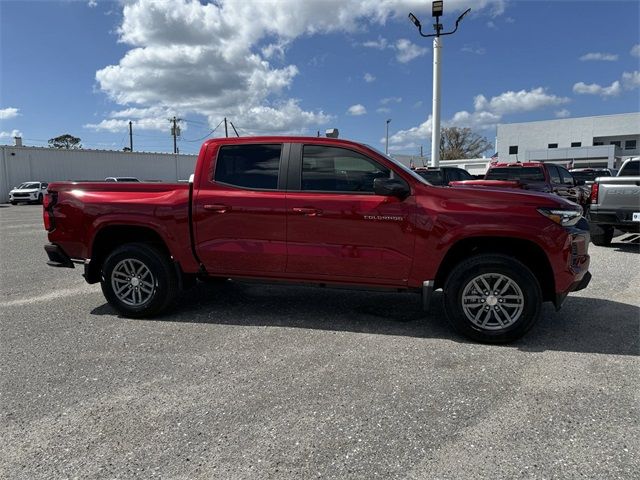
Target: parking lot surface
254	381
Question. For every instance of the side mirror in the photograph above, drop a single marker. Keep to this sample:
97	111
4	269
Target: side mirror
391	187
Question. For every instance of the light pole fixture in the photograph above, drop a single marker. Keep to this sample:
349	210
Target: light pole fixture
386	145
436	11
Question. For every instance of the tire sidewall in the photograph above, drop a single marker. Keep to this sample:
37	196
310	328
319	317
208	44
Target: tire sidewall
160	269
483	264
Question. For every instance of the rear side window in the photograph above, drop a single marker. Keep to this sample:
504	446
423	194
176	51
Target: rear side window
249	166
554	174
434	177
567	178
332	169
630	169
530	174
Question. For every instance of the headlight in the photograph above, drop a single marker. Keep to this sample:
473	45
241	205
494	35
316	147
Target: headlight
566	218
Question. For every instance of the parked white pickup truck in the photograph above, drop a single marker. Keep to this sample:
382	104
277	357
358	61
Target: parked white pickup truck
615	203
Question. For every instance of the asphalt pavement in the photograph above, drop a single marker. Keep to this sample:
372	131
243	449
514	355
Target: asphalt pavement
256	381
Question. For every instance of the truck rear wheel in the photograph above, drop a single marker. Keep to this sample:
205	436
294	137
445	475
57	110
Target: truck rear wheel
138	280
492	298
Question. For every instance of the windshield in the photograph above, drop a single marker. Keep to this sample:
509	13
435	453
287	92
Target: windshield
398	164
29	186
530	174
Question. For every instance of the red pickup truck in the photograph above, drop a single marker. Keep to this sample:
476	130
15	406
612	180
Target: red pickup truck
326	212
535	176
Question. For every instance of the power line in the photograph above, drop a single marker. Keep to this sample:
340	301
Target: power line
208	134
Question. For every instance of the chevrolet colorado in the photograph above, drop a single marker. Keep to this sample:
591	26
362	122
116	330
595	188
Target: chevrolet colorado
326	212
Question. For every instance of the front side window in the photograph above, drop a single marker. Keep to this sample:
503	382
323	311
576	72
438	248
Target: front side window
249	166
333	169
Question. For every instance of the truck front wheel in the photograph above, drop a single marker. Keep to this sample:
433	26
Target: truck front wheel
138	280
492	298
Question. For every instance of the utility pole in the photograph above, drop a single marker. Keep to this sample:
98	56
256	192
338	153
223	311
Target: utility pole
130	136
386	145
226	131
436	12
175	132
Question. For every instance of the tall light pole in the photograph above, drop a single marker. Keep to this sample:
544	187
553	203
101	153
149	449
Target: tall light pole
436	11
386	145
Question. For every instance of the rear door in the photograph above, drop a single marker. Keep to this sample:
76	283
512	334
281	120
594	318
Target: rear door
239	210
337	227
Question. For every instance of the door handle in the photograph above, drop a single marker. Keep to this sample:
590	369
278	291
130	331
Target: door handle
217	207
308	211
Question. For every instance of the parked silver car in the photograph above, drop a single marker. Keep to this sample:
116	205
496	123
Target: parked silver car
29	192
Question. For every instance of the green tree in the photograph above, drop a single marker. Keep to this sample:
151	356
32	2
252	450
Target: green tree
458	143
65	141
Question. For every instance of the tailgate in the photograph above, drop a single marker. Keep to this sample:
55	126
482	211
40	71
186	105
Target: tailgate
619	193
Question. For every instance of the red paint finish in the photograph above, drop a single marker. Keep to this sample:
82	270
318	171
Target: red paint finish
332	237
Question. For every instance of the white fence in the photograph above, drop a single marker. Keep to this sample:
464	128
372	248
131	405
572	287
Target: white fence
21	164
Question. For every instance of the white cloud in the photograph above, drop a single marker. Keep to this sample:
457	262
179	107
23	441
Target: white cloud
564	113
388	100
7	113
635	50
491	24
214	59
92	3
486	114
369	78
356	110
606	57
612	90
474	49
521	101
383	110
407	51
11	134
631	80
379	44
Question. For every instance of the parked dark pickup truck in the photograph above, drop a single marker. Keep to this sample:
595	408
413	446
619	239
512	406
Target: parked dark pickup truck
535	176
327	212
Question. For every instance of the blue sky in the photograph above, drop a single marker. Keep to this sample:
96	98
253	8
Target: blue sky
287	66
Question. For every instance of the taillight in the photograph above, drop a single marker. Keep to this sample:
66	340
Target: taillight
594	192
48	202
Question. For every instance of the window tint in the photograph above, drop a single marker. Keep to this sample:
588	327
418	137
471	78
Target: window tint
434	177
531	174
249	166
567	178
630	168
554	174
331	169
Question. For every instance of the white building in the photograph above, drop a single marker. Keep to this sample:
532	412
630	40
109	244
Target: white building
20	164
599	141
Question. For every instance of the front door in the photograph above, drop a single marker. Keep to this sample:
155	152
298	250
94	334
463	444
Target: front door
337	227
239	211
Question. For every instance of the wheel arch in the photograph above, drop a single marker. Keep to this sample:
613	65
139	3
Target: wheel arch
110	237
525	251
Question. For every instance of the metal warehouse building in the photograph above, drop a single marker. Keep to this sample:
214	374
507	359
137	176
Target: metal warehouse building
599	141
20	164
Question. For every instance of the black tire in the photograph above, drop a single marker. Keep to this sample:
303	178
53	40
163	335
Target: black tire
528	289
14	203
40	198
163	278
601	235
